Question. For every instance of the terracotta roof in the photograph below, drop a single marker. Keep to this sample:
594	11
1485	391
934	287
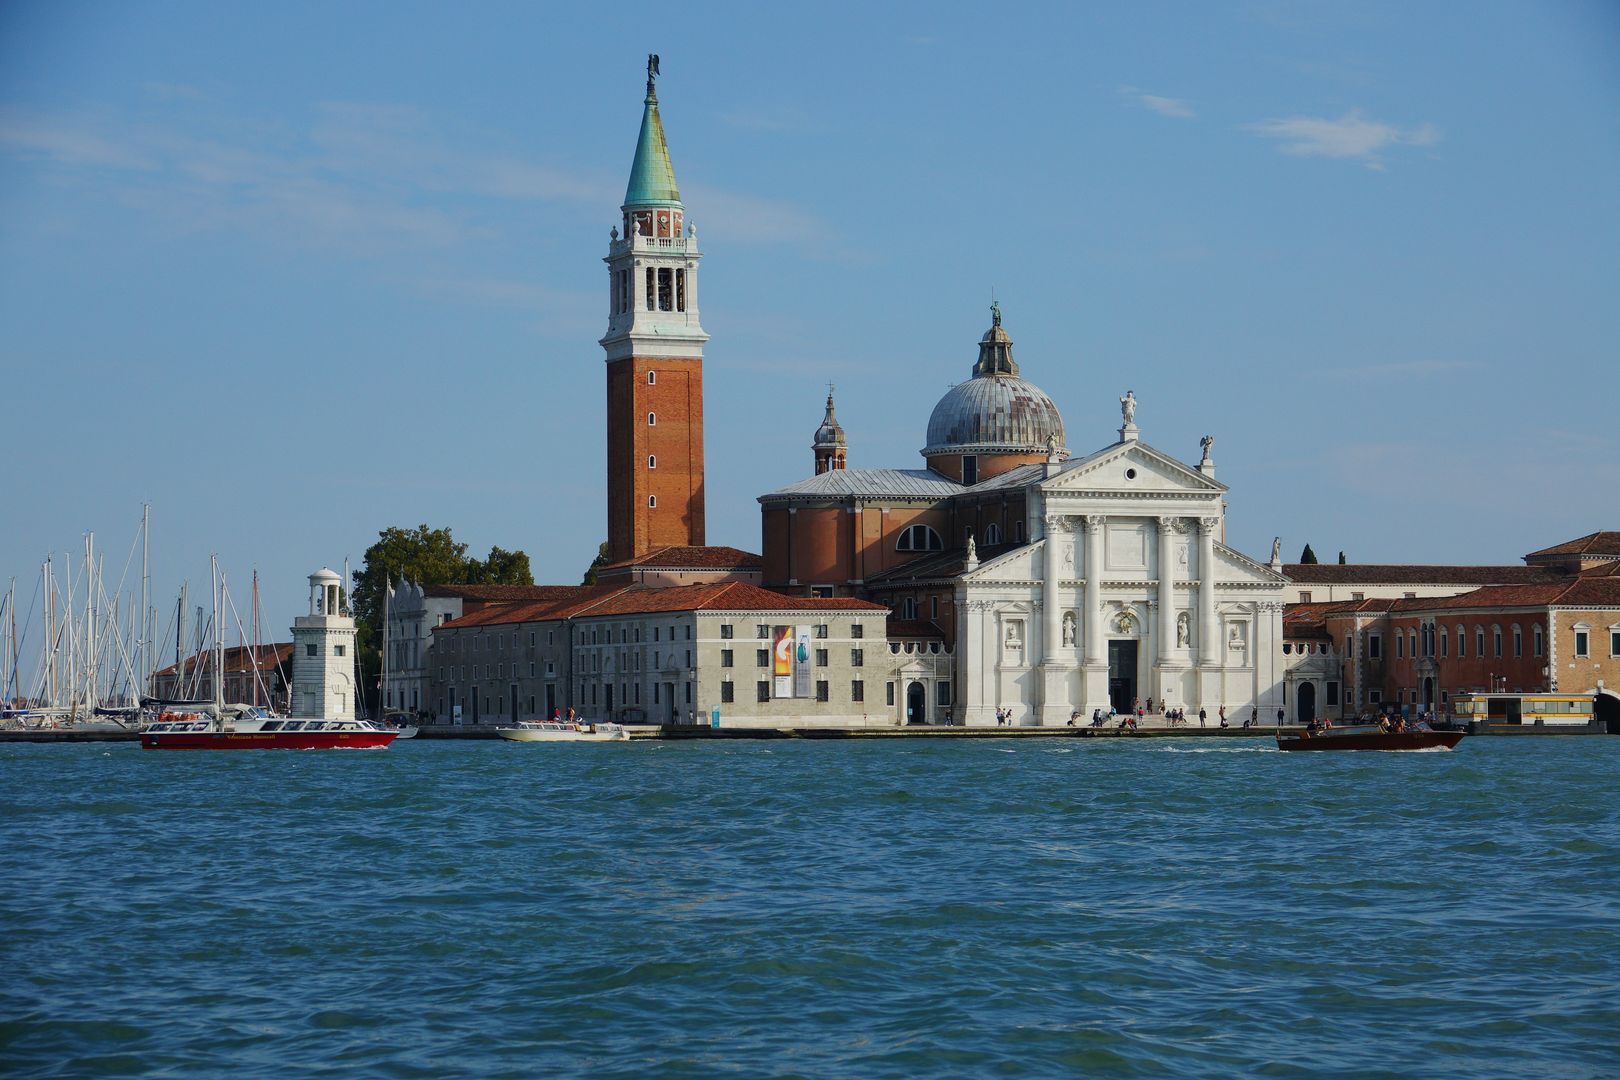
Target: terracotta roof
507	593
726	596
237	658
1598	543
692	557
1571	592
605	600
1379	574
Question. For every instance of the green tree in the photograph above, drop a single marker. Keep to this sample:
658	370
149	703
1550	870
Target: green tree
1341	558
1308	557
501	568
426	556
597	563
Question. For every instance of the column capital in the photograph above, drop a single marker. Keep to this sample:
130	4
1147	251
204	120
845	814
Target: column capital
1093	522
1059	523
1208	525
1171	524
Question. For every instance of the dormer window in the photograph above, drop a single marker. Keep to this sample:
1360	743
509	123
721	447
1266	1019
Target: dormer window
970	469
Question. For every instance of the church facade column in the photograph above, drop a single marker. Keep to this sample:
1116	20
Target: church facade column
1209	643
1168	528
1057	534
1095	678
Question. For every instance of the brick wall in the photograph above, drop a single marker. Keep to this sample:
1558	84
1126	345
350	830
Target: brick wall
675	441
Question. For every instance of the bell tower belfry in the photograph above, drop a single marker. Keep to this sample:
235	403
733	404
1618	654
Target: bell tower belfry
654	347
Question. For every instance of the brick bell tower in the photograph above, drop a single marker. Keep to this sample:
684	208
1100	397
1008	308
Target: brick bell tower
654	346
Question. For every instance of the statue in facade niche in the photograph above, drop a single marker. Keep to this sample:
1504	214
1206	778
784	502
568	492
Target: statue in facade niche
1183	626
1068	628
1125	622
1127	407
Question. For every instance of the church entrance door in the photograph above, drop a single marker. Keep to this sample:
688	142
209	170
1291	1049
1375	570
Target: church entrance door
1122	676
1307	702
916	704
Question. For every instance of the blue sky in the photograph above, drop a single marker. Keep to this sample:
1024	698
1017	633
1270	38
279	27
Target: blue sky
296	272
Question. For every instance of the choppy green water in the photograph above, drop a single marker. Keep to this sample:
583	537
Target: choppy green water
916	909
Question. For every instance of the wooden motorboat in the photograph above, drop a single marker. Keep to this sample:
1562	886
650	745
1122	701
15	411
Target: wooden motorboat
1370	739
562	731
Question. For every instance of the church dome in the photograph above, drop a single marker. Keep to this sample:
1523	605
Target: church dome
995	412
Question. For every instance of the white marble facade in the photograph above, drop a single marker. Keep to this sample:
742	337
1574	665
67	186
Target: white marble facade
1126	593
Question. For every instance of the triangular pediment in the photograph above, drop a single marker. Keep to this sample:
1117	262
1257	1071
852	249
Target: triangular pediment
1018	564
1111	469
1236	566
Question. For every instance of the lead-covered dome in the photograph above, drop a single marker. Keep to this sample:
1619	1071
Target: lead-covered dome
995	412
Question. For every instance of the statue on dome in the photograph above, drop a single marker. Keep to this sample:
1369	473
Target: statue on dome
995	313
1127	407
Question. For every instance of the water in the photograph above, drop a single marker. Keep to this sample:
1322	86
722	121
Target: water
917	909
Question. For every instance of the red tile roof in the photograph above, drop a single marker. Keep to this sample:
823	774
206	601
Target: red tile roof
608	600
1571	592
504	593
237	658
1598	543
1379	574
694	557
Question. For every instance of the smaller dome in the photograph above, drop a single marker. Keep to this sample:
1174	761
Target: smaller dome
323	575
831	432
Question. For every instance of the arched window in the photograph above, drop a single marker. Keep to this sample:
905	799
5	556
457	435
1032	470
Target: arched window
1479	641
652	419
919	538
992	533
652	461
1444	643
652	502
1287	648
1535	638
1518	641
1496	641
652	378
1462	641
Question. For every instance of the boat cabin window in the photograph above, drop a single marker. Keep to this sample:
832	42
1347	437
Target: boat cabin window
271	725
293	725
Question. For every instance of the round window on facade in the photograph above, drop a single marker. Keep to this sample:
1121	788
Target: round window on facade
1130	474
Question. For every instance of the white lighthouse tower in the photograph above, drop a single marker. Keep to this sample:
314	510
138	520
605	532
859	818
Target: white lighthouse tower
323	653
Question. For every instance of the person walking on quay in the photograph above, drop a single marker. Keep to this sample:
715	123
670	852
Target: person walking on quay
1254	716
1223	716
1279	718
1202	716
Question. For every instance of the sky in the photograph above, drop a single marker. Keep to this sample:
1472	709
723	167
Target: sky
294	273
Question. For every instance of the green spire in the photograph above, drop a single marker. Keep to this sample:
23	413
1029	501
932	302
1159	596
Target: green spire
652	177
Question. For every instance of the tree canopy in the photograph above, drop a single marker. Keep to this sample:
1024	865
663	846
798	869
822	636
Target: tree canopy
429	557
597	563
1307	557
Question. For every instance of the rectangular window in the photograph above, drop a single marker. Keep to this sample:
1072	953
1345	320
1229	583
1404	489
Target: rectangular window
762	658
652	288
857	691
821	630
762	631
680	290
726	693
1358	596
689	693
1375	697
821	689
933	608
1375	647
856	630
970	469
942	694
857	658
888	693
1535	640
762	691
309	650
725	658
1614	643
1305	596
1333	693
725	631
666	289
1400	643
821	658
1581	643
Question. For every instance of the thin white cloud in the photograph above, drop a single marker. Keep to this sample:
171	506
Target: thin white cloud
1351	136
1164	106
366	178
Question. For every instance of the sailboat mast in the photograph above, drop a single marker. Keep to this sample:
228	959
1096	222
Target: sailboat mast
146	599
89	623
50	635
219	647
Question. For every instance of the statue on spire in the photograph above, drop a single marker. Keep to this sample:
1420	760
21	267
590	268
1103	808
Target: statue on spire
652	73
995	312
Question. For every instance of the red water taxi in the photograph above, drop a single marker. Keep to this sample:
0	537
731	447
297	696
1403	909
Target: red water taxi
252	728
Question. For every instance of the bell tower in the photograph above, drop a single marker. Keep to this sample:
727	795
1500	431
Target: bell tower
654	346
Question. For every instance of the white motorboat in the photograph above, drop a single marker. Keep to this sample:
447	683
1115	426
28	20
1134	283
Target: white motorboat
562	731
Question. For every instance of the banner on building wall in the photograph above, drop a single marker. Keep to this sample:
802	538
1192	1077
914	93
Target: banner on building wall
801	662
782	660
